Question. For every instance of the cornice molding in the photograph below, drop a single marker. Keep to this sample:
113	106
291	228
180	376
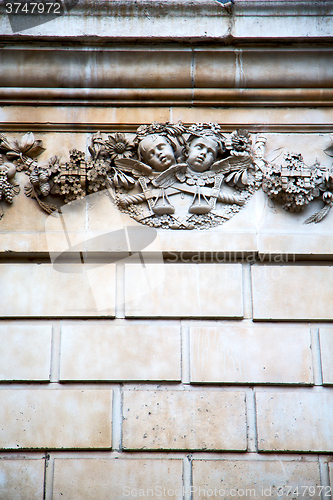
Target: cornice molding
232	76
118	97
149	20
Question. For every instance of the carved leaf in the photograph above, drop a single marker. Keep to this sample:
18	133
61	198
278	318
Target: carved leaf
237	177
47	207
4	144
28	146
169	177
92	152
121	179
27	142
275	154
318	216
329	150
136	167
244	178
29	191
16	188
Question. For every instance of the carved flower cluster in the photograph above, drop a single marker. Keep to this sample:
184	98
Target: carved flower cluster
239	143
206	178
292	184
70	179
166	129
119	147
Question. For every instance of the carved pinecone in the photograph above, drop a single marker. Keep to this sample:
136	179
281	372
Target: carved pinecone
45	188
44	175
34	178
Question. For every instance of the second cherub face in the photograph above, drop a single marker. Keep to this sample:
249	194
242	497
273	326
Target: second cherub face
202	153
157	152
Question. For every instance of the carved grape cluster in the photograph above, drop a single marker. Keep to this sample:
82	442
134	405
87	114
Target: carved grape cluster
6	188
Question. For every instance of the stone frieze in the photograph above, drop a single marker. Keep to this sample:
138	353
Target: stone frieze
168	176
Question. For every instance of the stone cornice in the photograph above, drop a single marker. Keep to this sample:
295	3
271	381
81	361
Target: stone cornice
166	97
182	20
165	76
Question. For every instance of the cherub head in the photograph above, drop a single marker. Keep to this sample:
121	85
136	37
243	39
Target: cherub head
202	152
157	152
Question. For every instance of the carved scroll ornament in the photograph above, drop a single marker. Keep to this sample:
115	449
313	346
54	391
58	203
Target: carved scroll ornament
168	176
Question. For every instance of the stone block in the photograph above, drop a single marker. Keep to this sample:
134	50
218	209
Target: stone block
295	421
292	292
326	350
183	21
103	479
255	479
206	290
21	479
25	352
108	68
39	419
184	420
254	354
247	117
47	292
260	66
105	351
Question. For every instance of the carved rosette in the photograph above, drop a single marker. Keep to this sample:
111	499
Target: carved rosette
168	176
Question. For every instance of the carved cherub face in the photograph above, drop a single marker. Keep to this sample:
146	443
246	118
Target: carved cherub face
156	152
202	153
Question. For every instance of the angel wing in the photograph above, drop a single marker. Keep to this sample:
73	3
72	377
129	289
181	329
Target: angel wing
231	164
170	176
135	167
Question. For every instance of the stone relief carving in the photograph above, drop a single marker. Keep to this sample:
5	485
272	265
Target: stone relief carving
168	175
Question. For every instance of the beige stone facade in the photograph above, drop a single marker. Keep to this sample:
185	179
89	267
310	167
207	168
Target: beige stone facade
200	365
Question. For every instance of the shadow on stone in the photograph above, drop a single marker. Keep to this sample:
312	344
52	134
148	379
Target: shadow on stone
24	15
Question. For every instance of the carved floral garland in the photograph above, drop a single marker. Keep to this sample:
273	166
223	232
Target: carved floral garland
169	176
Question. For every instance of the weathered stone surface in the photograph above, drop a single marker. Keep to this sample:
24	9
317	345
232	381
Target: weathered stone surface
102	479
99	116
255	354
107	69
21	479
25	351
292	292
330	467
55	419
213	69
180	420
260	65
205	290
177	19
46	292
104	351
326	350
255	479
295	421
287	247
